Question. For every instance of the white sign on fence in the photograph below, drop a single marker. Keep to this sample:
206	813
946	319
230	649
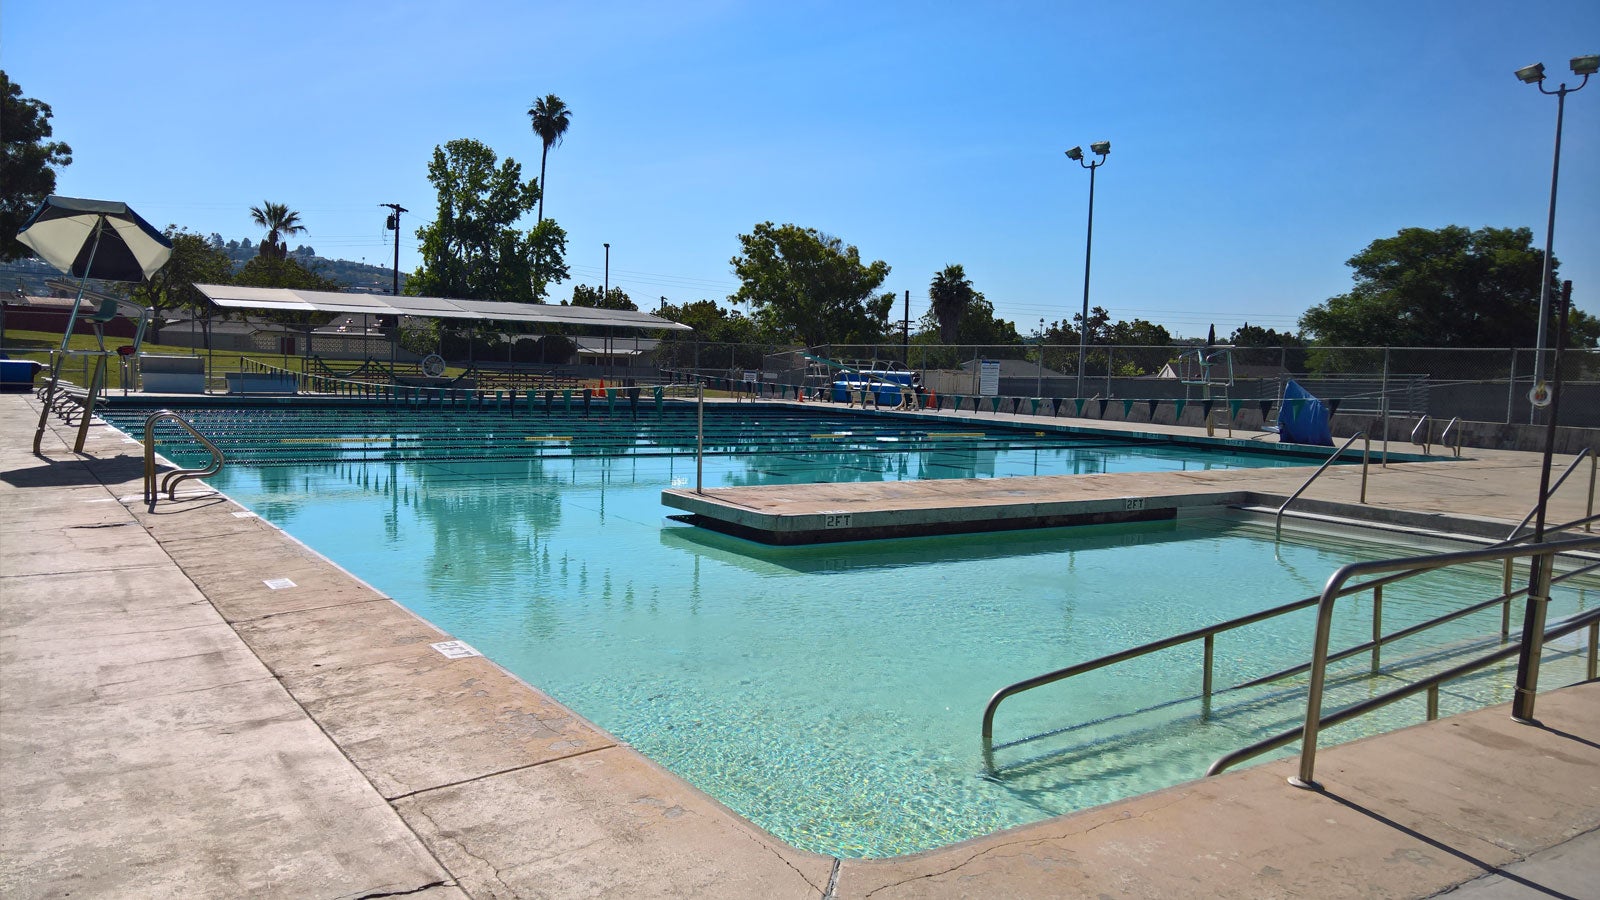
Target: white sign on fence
989	378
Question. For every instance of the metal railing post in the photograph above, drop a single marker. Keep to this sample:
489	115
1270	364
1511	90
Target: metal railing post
1594	462
1377	628
1319	671
1366	458
700	437
1505	608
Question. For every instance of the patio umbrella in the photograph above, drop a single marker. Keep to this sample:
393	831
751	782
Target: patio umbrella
91	239
95	239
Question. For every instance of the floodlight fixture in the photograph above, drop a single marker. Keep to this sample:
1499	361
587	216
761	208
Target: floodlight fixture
1100	149
1586	65
1531	74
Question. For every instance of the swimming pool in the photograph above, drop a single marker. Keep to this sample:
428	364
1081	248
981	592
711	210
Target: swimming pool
829	693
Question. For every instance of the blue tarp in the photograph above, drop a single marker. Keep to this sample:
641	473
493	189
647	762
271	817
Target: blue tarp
1303	419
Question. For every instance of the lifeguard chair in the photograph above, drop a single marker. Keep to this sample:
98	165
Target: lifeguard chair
1207	370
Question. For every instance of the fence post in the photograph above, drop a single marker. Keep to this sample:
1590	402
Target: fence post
1385	407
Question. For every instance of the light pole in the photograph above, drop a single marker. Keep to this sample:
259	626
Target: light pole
1100	149
1534	74
1038	388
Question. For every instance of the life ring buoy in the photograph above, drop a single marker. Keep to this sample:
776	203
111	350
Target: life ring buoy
433	365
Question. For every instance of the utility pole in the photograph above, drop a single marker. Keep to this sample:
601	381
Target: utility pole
905	328
393	224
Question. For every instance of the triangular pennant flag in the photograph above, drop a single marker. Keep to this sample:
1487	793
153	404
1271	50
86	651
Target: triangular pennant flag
1016	404
1177	410
1205	409
1127	409
1233	408
1035	406
1333	406
1103	405
1055	406
994	404
1079	402
1152	404
1266	407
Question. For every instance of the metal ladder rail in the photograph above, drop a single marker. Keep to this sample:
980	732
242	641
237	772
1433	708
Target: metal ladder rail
1366	455
1208	634
1585	452
1444	436
1427	434
169	484
1431	684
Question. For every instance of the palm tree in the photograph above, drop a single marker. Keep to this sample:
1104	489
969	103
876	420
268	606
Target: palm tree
951	294
550	118
280	222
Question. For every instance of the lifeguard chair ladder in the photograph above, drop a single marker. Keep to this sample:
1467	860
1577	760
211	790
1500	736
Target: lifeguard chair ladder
1210	370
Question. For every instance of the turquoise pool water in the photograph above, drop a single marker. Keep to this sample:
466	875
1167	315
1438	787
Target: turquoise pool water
833	694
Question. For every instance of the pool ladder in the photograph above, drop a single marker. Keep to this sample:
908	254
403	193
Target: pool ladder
1425	426
169	484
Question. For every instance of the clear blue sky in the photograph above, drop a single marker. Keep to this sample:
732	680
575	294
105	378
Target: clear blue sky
1255	146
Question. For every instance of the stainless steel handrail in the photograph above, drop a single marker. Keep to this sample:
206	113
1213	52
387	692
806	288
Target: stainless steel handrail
1427	436
1552	492
1209	633
170	482
1544	553
1366	453
1444	436
1590	619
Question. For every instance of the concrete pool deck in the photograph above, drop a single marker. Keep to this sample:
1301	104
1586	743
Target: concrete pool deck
172	725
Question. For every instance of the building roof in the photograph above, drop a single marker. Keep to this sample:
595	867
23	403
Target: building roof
289	300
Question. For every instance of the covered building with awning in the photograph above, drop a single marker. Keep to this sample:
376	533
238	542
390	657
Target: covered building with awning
291	300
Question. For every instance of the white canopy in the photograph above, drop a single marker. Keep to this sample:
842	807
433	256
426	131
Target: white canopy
289	300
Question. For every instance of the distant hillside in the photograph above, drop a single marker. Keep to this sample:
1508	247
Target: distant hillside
31	274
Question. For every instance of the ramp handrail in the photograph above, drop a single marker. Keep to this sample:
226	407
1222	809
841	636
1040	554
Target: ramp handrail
1590	619
1544	555
1209	633
170	482
1366	454
1552	492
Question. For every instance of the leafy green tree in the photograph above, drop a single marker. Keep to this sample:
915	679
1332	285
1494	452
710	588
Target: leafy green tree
614	298
28	163
280	222
722	338
547	249
805	286
194	260
1255	336
550	118
473	250
1445	287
